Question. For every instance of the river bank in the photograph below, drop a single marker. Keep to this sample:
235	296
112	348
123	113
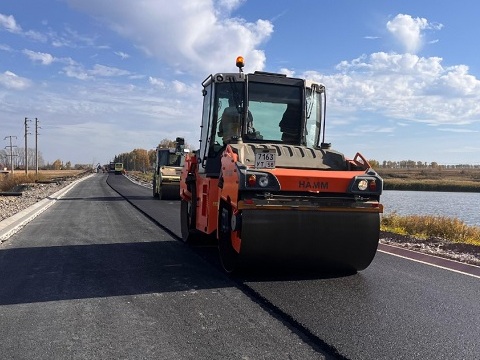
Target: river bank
451	180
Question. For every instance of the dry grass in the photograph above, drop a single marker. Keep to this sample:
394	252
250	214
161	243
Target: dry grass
424	226
147	176
8	182
50	174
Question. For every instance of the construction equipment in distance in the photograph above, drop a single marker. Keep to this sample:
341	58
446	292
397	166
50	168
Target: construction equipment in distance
168	167
118	169
266	185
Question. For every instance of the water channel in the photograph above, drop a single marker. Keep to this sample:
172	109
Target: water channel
463	206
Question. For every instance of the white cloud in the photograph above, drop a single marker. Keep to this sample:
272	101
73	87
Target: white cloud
288	72
124	111
186	35
464	150
8	23
78	71
408	31
122	54
12	81
457	130
404	87
102	70
5	47
374	129
35	35
458	81
159	83
229	5
179	86
44	58
70	38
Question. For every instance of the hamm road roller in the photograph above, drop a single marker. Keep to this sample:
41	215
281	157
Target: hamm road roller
268	187
168	167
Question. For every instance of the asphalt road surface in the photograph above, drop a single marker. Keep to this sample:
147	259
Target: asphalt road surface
395	309
92	277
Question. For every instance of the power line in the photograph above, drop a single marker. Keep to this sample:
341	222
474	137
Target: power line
26	146
11	151
36	146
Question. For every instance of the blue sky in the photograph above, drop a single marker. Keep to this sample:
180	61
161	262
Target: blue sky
104	77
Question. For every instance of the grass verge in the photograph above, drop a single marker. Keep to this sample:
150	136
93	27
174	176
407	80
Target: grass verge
143	176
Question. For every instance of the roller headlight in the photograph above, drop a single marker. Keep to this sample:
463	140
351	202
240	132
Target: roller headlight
362	185
263	181
366	185
257	180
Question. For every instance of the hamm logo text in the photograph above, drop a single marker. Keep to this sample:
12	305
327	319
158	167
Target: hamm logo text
316	185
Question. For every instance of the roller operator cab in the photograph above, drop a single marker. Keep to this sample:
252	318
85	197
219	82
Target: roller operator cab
168	167
266	185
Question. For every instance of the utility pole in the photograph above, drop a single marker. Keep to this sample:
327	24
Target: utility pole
11	152
26	145
36	147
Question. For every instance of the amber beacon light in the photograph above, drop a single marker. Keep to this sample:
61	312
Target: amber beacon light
240	62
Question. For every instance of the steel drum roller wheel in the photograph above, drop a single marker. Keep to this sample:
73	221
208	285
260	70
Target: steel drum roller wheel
228	255
169	192
187	217
155	194
186	220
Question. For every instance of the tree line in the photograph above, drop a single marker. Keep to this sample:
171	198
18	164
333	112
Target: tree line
141	159
17	157
136	160
412	164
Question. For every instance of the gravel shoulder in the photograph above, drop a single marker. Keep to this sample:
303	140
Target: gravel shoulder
465	253
11	205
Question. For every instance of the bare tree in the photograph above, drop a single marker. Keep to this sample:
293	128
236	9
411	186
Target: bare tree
19	158
4	157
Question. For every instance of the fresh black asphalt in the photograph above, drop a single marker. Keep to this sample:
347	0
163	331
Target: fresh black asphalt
93	278
395	309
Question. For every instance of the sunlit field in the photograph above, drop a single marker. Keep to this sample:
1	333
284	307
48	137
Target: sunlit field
7	181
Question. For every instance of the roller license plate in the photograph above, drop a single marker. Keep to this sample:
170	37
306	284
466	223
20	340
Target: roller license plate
265	159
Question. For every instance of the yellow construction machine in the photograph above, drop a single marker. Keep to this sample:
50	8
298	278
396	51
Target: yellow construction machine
168	167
